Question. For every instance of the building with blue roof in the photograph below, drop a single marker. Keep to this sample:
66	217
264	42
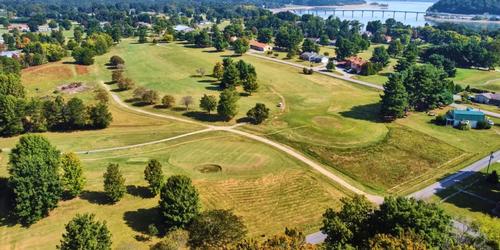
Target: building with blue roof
469	115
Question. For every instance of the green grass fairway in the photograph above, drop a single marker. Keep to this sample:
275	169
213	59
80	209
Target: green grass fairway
327	119
171	69
489	80
469	207
268	189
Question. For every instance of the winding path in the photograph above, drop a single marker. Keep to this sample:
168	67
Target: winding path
231	129
317	237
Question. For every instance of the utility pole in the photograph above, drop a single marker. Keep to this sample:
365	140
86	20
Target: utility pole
489	163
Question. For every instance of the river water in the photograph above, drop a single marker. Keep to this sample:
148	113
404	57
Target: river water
409	19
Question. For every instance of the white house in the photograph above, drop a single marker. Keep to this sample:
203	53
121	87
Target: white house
183	28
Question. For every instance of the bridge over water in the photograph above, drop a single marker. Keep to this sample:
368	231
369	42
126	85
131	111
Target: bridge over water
344	12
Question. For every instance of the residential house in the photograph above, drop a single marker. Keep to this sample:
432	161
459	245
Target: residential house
104	24
488	98
255	45
19	26
183	28
44	28
355	63
143	24
388	39
469	115
313	57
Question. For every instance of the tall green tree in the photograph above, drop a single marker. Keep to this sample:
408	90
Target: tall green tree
310	46
344	48
216	229
179	202
395	48
241	46
34	178
395	98
100	117
380	56
228	107
11	115
203	39
72	177
10	84
231	76
218	71
265	35
154	176
348	227
114	183
400	214
75	113
83	56
208	103
85	232
219	41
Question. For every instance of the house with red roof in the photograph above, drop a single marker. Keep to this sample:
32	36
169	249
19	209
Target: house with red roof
255	45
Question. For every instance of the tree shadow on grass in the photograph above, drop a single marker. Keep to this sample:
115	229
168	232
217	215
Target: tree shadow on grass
7	217
483	202
213	87
207	81
140	219
139	191
95	197
140	104
178	109
203	116
368	112
233	55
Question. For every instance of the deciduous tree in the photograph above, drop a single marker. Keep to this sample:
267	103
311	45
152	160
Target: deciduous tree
259	113
72	177
208	103
216	229
85	232
34	178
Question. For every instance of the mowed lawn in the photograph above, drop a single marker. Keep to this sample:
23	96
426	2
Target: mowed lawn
267	188
488	80
330	120
172	69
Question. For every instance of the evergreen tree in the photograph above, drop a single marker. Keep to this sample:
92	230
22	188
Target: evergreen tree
34	178
179	202
395	48
84	232
380	56
75	113
228	107
395	98
368	69
100	117
231	76
208	103
83	56
72	177
330	66
203	40
114	183
154	176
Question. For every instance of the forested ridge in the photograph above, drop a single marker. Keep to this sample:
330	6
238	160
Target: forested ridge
467	6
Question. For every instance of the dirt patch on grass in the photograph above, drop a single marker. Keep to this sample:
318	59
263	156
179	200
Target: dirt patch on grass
73	88
209	168
81	70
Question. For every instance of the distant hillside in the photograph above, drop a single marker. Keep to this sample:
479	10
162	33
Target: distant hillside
467	6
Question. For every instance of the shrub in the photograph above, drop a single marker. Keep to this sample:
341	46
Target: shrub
440	120
464	126
483	125
126	84
307	71
168	101
116	60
